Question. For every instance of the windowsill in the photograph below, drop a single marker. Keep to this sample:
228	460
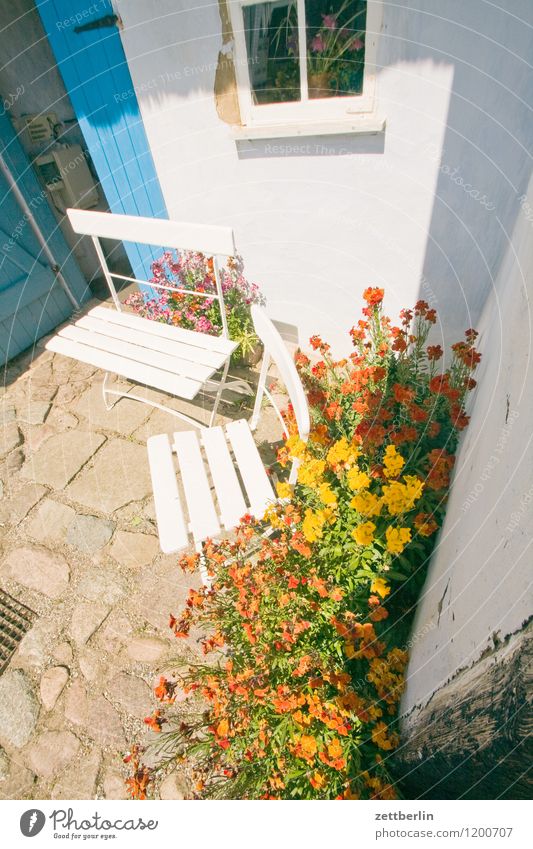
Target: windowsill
353	124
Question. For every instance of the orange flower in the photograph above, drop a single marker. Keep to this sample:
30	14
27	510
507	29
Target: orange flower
304	665
165	690
155	721
306	748
373	296
335	748
402	394
318	781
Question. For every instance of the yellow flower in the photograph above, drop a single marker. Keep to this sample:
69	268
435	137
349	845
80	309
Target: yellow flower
380	587
295	446
327	514
271	516
396	498
366	503
342	452
314	522
379	737
414	488
327	496
311	472
397	539
284	490
357	479
393	462
364	534
349	649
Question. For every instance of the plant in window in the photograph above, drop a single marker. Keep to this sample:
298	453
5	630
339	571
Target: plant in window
335	53
193	271
335	47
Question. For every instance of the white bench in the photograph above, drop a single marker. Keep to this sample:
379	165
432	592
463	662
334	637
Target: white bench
169	358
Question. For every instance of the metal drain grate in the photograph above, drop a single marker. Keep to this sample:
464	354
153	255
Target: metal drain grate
15	621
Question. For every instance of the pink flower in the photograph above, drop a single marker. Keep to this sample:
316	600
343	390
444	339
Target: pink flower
356	44
329	21
318	44
203	325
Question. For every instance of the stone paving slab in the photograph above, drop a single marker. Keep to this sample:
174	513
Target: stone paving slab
134	550
118	475
50	521
14	507
89	533
10	438
61	457
125	416
19	708
37	569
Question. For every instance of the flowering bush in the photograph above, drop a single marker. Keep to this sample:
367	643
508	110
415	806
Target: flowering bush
194	272
304	639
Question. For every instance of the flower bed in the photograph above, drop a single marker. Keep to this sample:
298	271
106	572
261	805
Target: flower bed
194	272
306	640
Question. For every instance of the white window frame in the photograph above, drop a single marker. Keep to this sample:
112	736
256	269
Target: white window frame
306	112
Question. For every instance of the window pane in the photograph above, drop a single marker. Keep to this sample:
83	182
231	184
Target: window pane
335	47
271	33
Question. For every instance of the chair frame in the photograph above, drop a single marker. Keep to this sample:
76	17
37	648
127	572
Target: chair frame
212	241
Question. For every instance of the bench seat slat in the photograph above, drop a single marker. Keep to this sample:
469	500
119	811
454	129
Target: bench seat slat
183	387
204	357
166	331
136	353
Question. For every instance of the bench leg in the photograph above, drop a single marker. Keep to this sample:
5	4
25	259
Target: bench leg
106	392
219	393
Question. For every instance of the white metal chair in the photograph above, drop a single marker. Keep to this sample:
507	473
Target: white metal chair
177	361
222	474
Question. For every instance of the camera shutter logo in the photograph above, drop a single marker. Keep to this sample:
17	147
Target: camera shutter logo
32	822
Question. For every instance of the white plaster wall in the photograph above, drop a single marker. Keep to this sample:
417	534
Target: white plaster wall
318	225
479	584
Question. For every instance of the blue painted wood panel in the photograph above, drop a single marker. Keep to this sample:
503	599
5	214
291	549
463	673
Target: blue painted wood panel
97	78
31	301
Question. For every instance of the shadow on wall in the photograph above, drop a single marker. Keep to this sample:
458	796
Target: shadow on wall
338	145
485	163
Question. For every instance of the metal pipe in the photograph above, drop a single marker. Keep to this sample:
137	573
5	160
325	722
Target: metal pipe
37	230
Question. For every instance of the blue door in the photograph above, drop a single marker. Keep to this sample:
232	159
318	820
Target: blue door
86	43
32	302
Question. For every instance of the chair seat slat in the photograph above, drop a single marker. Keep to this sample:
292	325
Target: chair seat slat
169	514
202	513
255	478
230	498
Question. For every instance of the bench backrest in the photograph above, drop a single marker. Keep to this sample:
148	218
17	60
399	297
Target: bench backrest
211	240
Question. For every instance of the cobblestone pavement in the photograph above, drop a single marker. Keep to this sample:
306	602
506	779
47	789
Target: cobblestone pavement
78	545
